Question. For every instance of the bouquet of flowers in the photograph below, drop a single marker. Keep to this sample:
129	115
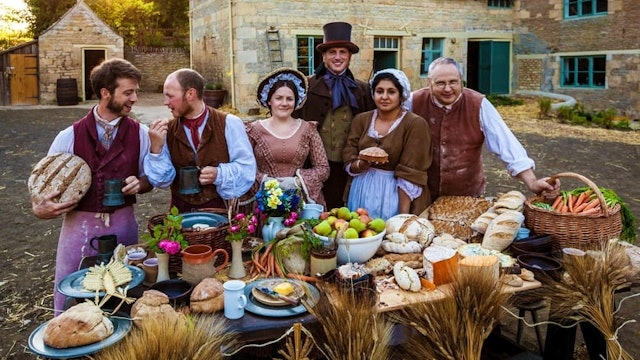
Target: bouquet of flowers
167	237
275	199
241	227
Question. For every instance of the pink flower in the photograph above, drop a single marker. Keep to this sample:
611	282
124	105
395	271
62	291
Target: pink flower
169	247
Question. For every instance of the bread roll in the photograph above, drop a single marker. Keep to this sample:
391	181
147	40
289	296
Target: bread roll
62	172
80	325
502	231
207	296
152	303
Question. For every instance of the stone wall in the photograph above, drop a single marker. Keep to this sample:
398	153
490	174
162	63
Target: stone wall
410	21
61	48
155	64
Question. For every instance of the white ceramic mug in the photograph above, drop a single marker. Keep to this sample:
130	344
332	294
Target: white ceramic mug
234	299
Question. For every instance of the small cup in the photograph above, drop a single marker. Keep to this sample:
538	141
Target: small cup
106	243
113	193
136	258
150	267
189	180
234	299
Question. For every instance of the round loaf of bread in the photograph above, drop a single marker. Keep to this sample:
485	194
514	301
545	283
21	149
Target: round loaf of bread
207	296
81	324
374	154
67	173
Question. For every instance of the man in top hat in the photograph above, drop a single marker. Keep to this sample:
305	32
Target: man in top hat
334	98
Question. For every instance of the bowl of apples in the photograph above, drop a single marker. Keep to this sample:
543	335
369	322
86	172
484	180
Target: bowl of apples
361	235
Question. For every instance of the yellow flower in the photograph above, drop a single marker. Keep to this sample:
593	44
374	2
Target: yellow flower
271	184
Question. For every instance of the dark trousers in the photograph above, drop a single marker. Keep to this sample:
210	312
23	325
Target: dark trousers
333	189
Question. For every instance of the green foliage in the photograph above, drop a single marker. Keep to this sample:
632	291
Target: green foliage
502	100
169	229
545	107
12	29
577	115
156	23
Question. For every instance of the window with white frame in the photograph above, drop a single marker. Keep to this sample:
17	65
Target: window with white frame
583	71
308	59
582	8
431	50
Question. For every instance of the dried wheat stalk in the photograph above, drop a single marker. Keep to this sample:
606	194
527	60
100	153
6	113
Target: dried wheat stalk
586	292
455	327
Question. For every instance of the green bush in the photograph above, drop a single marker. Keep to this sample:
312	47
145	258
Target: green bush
545	107
502	100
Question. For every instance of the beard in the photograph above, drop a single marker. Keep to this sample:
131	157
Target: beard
116	107
185	109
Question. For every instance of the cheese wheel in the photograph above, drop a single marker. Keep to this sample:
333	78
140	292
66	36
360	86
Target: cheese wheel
487	264
67	173
440	264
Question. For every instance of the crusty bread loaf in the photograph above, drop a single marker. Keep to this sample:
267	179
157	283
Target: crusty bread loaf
512	200
502	230
207	296
374	154
152	303
80	325
482	222
62	172
454	214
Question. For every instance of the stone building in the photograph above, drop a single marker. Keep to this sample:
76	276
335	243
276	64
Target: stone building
71	47
505	45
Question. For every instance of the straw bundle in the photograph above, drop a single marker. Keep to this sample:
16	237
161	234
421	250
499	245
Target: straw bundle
351	329
586	292
194	337
455	327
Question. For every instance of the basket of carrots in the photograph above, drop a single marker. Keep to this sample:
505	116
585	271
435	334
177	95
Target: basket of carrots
581	218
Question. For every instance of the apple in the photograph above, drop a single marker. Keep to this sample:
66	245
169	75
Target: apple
362	211
365	218
323	215
368	233
339	223
377	225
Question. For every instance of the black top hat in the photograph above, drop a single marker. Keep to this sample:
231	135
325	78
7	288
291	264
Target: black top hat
337	34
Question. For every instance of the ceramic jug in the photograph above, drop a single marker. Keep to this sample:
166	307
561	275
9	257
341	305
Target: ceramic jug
271	228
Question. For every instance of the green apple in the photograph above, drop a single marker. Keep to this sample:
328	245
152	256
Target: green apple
357	224
323	228
376	225
351	233
354	215
344	213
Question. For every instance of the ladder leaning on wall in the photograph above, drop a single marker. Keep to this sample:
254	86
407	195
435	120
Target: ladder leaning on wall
273	46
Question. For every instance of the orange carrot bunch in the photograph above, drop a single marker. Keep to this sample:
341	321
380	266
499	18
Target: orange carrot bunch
581	203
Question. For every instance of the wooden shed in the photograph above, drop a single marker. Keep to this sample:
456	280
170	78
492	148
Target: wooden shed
19	75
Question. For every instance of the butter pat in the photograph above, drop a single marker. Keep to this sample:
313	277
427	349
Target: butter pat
284	288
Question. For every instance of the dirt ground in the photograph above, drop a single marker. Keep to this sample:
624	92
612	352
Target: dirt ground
27	250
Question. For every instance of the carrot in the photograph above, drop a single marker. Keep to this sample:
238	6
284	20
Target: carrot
427	284
580	207
556	203
591	204
256	262
266	252
301	277
570	201
591	211
581	199
564	208
279	270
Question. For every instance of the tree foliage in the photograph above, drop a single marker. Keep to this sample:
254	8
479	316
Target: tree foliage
139	22
12	32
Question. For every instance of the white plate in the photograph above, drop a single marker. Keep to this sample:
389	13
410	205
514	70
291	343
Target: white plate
121	326
298	292
71	285
256	307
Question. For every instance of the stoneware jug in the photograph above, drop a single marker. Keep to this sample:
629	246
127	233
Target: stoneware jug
197	262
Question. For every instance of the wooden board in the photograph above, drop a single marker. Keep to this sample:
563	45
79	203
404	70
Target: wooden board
392	299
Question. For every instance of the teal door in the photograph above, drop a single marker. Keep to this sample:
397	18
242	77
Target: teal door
493	67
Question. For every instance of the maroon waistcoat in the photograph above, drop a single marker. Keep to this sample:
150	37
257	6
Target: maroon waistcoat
119	162
457	144
212	151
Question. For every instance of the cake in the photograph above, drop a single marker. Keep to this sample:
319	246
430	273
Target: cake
374	154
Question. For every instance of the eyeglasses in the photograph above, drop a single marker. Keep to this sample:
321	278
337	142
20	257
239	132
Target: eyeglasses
442	84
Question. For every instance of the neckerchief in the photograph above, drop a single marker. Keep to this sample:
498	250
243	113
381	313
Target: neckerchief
342	87
193	125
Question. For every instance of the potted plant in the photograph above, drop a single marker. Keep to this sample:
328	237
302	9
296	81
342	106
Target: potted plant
214	94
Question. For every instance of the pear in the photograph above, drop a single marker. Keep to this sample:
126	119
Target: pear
344	213
323	228
358	225
376	225
331	219
354	215
351	233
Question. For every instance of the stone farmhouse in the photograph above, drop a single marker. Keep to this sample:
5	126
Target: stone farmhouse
587	49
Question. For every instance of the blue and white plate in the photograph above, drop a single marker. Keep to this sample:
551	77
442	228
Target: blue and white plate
71	285
257	307
121	326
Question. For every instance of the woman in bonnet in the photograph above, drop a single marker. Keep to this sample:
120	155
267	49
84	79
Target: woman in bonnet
286	148
398	186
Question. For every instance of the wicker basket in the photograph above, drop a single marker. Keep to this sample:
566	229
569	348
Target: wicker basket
573	230
214	237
